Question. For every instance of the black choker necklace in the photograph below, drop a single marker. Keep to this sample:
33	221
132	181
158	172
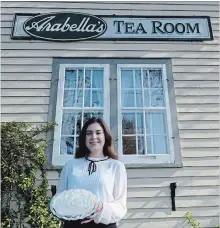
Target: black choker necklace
92	165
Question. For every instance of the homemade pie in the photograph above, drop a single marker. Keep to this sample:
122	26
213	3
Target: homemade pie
74	204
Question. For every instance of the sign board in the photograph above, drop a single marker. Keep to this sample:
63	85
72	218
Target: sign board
71	26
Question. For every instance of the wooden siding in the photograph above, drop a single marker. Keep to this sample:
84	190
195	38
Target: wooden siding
26	75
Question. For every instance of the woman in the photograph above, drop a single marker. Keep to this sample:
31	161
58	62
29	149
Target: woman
96	169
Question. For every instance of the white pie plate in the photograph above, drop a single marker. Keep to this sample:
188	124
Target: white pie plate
74	204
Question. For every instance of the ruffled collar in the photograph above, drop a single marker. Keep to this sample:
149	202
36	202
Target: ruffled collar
97	159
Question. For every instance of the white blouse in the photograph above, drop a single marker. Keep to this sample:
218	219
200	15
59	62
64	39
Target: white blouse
108	183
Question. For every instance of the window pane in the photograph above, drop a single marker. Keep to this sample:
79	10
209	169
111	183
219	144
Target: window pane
78	123
146	98
141	147
139	102
67	145
160	144
148	123
156	78
140	125
98	76
68	124
70	79
158	123
69	98
149	146
127	79
128	123
88	115
79	98
157	98
87	98
127	98
88	79
145	79
80	78
138	79
97	98
129	145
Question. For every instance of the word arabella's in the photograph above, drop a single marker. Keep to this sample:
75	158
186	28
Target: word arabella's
65	26
84	26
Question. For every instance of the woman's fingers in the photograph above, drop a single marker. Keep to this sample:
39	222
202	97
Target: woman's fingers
86	221
94	215
91	217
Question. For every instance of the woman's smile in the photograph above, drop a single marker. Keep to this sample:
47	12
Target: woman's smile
95	139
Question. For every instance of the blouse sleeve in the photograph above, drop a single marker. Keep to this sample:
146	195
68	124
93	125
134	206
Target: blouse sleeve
114	211
63	184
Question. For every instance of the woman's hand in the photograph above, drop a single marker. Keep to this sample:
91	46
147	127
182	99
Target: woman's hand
90	218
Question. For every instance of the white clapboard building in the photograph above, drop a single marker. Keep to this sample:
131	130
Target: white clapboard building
150	69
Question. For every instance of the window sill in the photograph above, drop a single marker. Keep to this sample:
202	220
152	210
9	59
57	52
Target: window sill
130	166
161	165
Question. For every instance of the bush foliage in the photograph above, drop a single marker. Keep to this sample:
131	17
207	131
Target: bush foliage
24	203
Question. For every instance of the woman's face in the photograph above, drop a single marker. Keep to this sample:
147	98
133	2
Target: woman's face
95	138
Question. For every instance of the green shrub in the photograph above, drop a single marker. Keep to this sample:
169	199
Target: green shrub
23	154
192	222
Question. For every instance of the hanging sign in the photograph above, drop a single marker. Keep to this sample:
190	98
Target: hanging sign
67	26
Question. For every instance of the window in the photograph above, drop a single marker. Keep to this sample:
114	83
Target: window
134	97
81	94
143	114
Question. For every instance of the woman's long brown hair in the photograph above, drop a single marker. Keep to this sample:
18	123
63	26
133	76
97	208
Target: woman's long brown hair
108	150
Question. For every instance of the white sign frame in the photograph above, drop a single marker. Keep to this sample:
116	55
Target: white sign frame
154	28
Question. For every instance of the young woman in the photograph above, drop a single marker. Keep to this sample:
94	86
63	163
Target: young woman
96	169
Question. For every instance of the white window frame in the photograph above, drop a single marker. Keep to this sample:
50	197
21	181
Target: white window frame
57	159
150	158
